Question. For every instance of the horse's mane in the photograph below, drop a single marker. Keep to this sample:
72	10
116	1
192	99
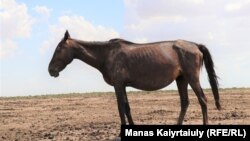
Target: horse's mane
120	40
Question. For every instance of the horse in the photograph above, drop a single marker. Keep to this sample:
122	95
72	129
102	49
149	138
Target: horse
149	67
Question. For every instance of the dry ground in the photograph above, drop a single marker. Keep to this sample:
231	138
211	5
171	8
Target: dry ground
91	117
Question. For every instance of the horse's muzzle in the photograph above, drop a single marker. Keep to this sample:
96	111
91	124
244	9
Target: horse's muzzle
53	73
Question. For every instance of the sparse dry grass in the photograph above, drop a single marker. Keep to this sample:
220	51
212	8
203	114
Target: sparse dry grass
94	116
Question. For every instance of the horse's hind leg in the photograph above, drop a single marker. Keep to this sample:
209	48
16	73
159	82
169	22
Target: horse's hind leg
182	88
195	84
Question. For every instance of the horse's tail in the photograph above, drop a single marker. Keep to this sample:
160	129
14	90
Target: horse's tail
209	65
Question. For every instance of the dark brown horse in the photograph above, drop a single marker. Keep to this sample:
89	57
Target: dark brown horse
143	66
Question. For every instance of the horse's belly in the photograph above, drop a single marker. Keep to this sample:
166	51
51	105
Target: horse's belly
149	86
153	81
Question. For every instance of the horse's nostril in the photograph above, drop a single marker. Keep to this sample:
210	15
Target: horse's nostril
53	72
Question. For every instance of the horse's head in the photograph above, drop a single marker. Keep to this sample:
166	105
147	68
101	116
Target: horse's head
63	55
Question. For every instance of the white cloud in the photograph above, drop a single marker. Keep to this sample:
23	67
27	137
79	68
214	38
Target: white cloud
15	23
233	6
164	8
83	29
43	10
78	28
197	1
141	40
7	48
45	47
236	5
204	21
223	26
146	19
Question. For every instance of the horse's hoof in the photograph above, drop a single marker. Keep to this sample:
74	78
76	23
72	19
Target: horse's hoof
117	139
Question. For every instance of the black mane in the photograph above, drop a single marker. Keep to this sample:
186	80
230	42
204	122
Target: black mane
120	40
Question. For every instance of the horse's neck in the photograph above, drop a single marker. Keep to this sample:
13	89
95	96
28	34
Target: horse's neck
92	53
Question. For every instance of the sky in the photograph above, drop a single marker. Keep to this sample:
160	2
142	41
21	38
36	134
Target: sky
30	31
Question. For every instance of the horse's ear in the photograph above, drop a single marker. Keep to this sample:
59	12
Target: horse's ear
66	35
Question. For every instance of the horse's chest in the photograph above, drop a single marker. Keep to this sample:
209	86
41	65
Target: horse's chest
108	78
112	74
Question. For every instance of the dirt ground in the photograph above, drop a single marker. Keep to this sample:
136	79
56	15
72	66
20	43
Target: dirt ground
94	117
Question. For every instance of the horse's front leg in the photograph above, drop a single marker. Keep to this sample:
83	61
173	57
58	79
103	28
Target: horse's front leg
119	91
127	109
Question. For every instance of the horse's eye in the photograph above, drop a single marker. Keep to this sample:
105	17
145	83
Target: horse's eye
59	50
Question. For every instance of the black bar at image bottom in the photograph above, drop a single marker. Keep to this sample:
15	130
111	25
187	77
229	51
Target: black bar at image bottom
177	132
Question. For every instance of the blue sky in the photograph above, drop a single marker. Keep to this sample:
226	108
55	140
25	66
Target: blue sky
30	31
